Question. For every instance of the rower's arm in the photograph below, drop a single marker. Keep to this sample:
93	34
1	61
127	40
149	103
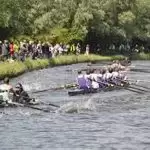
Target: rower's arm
77	82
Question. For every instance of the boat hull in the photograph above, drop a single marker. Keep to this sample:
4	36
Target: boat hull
5	104
76	92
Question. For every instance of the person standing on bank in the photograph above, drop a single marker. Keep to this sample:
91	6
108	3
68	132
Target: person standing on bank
87	50
5	50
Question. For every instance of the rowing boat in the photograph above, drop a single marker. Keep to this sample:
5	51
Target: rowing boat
15	104
91	91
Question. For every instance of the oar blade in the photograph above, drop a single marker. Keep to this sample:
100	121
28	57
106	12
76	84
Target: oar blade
28	106
67	86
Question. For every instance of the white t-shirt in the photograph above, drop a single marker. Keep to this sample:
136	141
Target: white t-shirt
107	76
94	78
123	75
4	92
115	74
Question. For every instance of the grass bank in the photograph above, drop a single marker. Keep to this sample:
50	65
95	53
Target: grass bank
17	68
141	56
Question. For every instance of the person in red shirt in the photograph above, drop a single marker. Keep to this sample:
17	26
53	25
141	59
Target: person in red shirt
11	48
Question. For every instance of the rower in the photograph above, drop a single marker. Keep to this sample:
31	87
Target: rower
102	78
122	75
107	75
83	81
94	79
21	96
6	85
6	91
115	64
88	79
116	77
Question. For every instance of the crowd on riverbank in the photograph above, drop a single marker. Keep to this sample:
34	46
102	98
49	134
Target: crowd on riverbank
37	49
31	49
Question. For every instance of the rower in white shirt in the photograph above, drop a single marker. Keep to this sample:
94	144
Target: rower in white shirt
122	75
115	76
94	79
108	75
102	78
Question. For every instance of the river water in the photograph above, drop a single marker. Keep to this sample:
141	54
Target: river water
116	120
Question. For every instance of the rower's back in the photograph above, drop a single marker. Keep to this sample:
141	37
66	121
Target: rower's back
94	79
5	90
5	87
81	80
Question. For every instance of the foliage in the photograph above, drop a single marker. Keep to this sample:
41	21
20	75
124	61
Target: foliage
65	20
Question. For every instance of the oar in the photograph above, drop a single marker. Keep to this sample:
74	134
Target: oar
130	88
29	106
139	80
137	89
137	86
143	81
28	98
50	104
133	89
140	85
140	70
126	88
56	88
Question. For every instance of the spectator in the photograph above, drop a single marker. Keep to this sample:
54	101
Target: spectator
24	49
87	50
73	49
60	49
78	49
16	50
5	50
23	52
39	49
0	47
11	47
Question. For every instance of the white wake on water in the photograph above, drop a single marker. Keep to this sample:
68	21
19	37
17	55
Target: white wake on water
33	86
77	107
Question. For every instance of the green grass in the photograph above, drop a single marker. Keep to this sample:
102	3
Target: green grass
12	69
16	68
141	56
36	64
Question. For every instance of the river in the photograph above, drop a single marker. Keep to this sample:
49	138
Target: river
116	120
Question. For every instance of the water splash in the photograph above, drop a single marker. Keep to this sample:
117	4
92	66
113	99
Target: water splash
78	107
23	113
33	86
68	108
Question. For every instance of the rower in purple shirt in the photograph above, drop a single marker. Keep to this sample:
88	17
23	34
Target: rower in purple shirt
83	81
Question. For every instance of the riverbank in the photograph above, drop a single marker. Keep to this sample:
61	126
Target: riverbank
17	68
141	56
